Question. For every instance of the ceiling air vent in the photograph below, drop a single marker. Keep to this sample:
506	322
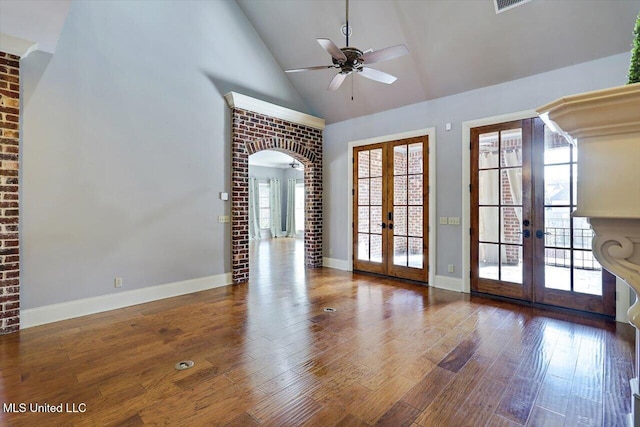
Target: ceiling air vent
502	5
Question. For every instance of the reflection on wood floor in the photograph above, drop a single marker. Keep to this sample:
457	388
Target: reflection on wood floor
268	354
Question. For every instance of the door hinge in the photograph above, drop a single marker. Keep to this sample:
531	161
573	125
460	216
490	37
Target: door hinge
353	191
353	160
470	233
469	188
470	277
352	225
470	147
428	229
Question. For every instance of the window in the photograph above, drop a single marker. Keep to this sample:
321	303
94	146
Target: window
300	206
265	214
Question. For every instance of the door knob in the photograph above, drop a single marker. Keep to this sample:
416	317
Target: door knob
383	225
525	233
540	234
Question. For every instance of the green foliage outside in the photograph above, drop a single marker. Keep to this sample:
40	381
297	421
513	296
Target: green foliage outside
634	67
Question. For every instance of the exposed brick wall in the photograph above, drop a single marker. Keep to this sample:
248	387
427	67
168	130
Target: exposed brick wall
253	132
9	242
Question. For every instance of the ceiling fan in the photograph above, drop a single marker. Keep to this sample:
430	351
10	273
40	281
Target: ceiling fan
352	60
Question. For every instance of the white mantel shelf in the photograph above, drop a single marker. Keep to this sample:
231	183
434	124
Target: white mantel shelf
606	124
601	112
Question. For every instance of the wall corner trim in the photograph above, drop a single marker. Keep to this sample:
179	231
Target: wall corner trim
244	102
448	283
83	307
338	264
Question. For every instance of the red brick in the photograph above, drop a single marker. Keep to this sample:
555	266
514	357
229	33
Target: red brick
9	150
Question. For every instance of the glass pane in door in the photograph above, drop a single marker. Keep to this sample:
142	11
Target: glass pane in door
369	205
500	206
587	273
569	262
408	200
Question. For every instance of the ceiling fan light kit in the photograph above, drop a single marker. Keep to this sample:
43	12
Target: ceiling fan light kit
352	60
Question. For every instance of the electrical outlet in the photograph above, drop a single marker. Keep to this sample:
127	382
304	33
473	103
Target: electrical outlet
330	251
117	282
451	268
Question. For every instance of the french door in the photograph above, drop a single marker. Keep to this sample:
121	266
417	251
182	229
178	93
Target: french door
525	243
390	208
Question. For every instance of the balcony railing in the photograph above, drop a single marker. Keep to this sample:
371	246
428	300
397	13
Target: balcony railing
558	245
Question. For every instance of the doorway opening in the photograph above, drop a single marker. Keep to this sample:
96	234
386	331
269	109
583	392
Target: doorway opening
253	132
276	213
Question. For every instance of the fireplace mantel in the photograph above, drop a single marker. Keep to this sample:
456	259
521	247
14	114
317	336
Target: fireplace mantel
606	125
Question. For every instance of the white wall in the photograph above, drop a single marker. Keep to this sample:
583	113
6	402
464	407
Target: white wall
125	145
518	95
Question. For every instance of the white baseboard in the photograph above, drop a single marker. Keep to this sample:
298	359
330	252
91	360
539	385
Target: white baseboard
82	307
448	283
338	264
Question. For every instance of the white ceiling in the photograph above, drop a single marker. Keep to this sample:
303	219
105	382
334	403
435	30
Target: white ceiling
34	24
455	45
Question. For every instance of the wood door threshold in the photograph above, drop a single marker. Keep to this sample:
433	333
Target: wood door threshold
547	307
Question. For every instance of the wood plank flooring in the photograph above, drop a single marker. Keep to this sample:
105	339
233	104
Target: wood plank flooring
392	354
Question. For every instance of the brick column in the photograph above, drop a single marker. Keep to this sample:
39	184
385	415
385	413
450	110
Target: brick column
9	147
253	132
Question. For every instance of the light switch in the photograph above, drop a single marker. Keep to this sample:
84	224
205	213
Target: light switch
224	218
454	220
443	220
224	196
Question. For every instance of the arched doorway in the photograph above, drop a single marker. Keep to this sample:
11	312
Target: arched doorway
253	132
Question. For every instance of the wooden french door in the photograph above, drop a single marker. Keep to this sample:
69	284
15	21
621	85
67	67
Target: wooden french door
390	208
524	242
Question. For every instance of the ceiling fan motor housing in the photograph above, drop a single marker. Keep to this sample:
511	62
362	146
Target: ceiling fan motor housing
353	62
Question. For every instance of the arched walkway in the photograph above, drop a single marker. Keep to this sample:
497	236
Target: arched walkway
253	132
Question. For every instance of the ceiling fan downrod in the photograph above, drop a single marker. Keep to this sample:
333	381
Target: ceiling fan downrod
347	15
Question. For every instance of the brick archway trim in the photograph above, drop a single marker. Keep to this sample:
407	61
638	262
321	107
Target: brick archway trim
257	126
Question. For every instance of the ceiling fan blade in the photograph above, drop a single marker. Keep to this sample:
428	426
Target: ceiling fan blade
319	67
385	54
377	75
332	49
337	81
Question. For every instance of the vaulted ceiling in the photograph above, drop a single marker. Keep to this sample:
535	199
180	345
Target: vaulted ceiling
455	45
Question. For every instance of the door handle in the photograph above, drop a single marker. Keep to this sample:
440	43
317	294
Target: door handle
390	226
383	225
540	234
525	233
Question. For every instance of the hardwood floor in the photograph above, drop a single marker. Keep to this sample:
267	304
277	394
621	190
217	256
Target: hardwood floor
392	354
